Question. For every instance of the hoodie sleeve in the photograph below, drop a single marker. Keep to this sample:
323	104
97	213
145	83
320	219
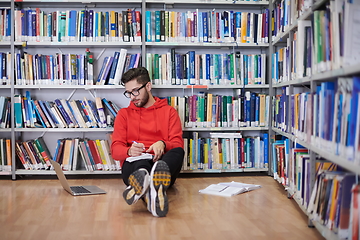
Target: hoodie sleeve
119	146
175	132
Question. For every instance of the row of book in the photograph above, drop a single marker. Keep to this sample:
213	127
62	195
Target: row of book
5	154
329	201
334	203
5	112
85	154
200	110
33	154
225	151
207	26
72	69
63	113
328	118
77	26
5	26
319	44
206	69
114	66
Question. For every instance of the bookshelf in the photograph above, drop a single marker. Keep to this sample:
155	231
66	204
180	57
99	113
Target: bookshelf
303	115
30	43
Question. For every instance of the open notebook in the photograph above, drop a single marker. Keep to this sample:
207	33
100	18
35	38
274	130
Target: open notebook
74	190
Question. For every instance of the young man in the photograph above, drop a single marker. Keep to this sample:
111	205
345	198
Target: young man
147	125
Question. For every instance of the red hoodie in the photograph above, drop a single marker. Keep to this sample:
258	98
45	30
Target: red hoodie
146	125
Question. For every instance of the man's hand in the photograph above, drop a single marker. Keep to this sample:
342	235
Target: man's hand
136	149
158	149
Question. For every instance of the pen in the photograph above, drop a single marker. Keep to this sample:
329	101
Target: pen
137	143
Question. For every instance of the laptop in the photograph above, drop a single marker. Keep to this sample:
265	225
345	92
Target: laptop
74	190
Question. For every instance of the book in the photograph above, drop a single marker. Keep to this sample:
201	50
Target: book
143	156
229	189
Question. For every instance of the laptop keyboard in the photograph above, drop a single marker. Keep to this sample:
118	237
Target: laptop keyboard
79	189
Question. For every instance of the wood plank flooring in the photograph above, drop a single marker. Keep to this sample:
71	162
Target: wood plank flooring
41	209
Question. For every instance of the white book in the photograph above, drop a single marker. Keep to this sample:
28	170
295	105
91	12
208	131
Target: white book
143	156
75	154
300	47
352	33
119	68
65	105
229	189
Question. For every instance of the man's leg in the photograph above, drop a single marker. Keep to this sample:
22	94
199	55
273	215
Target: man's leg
129	167
136	177
174	159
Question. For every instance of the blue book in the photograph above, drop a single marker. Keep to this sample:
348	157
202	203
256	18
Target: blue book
63	112
353	117
50	117
86	23
95	112
72	24
252	109
92	161
58	148
29	23
148	28
200	27
18	111
114	65
105	76
38	114
107	23
49	26
24	22
231	25
257	110
82	25
207	71
91	25
226	24
205	26
108	106
266	150
157	26
98	81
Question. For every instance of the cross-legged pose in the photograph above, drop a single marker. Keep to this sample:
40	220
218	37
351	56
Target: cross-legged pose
147	126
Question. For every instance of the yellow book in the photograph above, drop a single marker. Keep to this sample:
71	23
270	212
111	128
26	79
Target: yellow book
334	195
243	26
112	24
191	153
206	156
102	154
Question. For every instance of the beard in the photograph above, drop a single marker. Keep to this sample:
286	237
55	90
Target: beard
142	101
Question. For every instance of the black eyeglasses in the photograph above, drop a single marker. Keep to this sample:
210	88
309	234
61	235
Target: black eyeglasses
134	92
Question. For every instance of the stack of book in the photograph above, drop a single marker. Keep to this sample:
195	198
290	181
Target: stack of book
35	25
62	113
207	26
192	68
225	151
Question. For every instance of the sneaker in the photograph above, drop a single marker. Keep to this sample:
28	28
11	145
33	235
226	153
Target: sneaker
147	200
139	184
160	180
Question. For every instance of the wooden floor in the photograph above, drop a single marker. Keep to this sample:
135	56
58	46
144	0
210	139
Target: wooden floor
41	209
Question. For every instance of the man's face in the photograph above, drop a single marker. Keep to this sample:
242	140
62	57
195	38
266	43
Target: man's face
139	94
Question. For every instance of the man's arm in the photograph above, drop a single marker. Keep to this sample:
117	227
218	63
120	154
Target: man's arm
175	132
119	146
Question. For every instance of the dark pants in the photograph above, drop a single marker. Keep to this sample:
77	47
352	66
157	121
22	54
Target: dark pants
174	159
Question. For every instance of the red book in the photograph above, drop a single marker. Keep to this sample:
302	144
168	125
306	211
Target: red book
95	154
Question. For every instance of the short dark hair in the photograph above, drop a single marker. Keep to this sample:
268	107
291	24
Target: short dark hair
141	75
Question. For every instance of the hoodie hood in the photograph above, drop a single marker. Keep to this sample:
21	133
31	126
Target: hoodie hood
145	118
158	104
